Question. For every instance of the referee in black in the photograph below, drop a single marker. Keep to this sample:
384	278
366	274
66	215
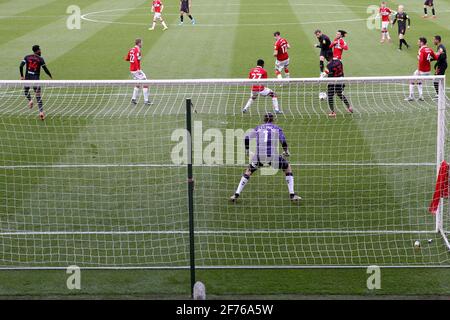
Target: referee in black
441	63
33	64
401	17
324	45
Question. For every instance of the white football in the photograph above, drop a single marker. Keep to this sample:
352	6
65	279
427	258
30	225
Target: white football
322	96
417	244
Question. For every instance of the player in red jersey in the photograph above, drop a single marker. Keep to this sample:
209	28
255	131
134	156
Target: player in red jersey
260	73
385	14
157	9
280	52
339	45
134	57
425	56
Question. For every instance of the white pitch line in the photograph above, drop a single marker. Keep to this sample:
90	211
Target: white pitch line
151	165
215	232
85	17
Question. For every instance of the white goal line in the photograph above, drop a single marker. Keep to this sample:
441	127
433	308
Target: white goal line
149	165
216	232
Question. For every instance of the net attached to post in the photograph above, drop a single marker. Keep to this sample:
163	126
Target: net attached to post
101	182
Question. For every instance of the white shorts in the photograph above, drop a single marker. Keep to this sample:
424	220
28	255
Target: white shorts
421	73
384	25
138	75
157	16
280	65
263	93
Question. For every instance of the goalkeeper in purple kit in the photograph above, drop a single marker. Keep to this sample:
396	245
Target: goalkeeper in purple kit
267	136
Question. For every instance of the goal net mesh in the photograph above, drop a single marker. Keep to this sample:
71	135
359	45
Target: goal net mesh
101	182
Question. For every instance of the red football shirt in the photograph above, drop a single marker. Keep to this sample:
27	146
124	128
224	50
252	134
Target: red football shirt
338	46
134	56
425	56
385	13
255	74
281	46
157	4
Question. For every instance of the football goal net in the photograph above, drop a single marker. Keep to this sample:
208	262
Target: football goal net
102	182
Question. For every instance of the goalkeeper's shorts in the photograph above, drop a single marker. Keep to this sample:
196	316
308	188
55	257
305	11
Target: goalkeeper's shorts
276	162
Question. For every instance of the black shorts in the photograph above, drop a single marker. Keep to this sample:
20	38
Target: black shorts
401	30
440	70
335	88
282	164
184	8
32	77
428	3
328	54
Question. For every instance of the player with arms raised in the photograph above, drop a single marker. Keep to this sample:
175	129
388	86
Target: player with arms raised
157	9
324	44
385	14
339	45
267	136
258	73
33	64
134	57
401	16
425	56
280	52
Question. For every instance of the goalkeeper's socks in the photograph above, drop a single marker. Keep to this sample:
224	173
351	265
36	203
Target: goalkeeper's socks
181	18
244	181
190	17
433	12
425	11
290	182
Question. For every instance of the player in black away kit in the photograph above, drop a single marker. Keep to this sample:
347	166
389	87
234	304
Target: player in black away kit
33	64
185	7
335	69
401	17
441	63
428	4
324	45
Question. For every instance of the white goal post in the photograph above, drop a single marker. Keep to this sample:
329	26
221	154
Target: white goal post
101	182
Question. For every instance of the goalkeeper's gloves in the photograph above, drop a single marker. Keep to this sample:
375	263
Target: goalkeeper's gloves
286	154
323	74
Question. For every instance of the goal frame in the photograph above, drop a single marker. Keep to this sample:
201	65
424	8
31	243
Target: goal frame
441	153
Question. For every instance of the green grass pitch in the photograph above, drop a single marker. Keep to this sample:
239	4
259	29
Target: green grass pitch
226	41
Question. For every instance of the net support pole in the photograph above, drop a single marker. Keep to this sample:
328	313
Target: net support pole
440	156
440	148
190	193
